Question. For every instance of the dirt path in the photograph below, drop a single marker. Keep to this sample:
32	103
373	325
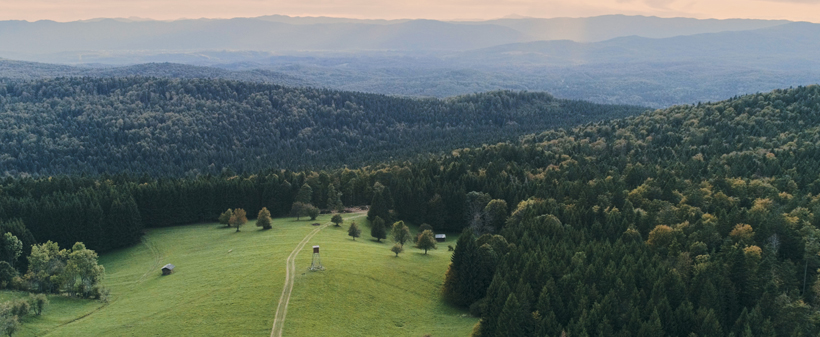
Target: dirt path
290	274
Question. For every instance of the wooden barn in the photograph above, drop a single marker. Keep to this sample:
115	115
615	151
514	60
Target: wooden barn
167	269
441	237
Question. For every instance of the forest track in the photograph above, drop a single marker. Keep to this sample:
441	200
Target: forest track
290	275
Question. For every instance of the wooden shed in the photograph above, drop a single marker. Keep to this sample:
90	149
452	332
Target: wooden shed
167	269
441	237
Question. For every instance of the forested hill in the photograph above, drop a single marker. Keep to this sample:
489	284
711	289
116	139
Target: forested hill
175	126
699	220
33	70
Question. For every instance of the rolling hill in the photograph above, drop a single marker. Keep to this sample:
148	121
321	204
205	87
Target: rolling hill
179	126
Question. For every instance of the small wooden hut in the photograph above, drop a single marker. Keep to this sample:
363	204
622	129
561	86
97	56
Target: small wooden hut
167	269
441	237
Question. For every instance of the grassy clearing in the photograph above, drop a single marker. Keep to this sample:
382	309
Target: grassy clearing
367	291
228	283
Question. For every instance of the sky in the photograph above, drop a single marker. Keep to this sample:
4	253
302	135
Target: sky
72	10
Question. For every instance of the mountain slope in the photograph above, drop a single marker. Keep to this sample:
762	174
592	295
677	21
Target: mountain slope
172	127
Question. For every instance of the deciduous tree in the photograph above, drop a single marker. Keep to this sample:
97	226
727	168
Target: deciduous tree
263	219
337	220
427	241
238	218
225	217
397	248
400	233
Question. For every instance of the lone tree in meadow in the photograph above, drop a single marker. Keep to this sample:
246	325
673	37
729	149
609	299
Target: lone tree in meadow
337	219
238	218
400	233
397	248
312	211
354	231
427	241
377	230
225	217
263	219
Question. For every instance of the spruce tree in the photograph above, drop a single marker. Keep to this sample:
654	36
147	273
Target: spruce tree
377	230
334	201
354	231
305	194
381	204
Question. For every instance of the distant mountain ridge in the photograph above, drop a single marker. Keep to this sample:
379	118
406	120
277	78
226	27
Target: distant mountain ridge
771	46
291	34
33	70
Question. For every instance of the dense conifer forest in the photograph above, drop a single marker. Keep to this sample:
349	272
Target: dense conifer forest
174	127
699	219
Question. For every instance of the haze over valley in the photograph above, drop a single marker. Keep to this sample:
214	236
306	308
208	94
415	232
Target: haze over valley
620	168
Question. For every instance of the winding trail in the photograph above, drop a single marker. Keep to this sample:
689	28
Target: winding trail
290	274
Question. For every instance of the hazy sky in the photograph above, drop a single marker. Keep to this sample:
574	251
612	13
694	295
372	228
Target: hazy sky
70	10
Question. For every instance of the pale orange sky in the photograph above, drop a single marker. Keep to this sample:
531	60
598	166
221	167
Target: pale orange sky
71	10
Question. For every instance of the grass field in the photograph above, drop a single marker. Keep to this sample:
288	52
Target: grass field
228	283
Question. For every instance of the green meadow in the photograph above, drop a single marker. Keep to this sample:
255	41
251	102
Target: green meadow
228	283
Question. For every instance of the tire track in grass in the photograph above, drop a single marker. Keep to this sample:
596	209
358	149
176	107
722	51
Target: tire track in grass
290	275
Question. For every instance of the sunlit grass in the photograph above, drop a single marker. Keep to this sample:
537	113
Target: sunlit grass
228	283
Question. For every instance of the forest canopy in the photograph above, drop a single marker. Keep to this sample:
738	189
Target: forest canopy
699	219
174	127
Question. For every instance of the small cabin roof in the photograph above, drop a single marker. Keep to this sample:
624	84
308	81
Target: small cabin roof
315	246
440	236
168	266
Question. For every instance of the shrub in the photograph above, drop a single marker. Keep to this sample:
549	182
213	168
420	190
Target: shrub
38	303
